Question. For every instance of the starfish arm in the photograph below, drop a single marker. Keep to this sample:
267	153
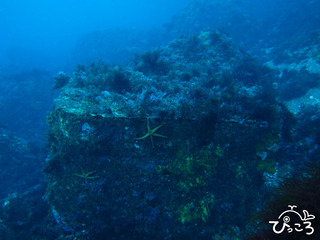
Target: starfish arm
93	177
90	173
143	137
86	175
148	125
159	135
155	129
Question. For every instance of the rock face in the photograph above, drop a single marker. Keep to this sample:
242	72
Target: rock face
175	145
17	156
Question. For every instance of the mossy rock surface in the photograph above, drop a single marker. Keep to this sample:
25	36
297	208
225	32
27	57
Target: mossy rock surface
162	158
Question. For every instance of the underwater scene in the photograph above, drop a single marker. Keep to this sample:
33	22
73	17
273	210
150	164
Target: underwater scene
160	120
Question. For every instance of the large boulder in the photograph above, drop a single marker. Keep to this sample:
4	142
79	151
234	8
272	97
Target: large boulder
178	144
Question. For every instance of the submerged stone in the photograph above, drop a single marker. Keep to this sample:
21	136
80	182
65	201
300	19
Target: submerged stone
165	146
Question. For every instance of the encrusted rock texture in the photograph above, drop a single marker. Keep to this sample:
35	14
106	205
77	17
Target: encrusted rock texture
181	138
